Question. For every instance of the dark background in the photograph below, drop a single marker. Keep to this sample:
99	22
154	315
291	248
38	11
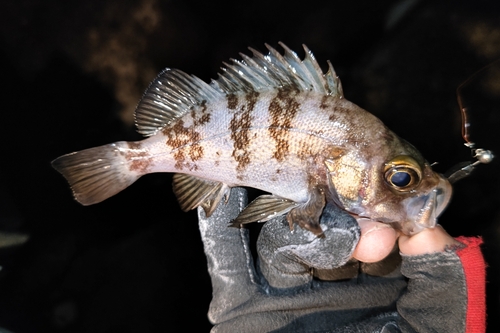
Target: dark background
72	72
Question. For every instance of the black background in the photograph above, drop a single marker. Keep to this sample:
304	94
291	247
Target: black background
72	73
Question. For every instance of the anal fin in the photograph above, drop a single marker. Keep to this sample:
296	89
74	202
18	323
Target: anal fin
192	192
263	208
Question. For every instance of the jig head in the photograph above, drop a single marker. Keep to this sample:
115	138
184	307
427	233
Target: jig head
464	169
482	156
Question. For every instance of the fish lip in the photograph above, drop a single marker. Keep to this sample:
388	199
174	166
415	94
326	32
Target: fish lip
422	211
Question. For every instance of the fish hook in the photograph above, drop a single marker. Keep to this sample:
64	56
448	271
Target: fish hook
482	156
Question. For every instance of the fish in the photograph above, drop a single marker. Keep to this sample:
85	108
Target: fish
272	122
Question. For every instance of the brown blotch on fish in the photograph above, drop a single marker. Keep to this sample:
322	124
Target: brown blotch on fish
324	102
200	115
240	126
336	111
203	106
232	101
179	158
196	152
134	145
305	151
139	159
282	109
184	143
205	116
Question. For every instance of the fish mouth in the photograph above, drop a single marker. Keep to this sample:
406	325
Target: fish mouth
422	211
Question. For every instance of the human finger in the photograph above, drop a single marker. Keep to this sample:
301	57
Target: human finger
376	242
427	241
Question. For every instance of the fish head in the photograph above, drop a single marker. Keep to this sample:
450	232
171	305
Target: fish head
415	195
395	185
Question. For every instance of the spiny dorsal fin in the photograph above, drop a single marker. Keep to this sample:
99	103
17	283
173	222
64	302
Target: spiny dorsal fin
192	192
263	73
170	96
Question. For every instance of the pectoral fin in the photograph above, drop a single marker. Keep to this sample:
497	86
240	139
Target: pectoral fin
192	192
307	215
263	209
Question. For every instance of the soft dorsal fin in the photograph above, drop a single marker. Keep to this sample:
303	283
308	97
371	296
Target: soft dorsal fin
170	96
173	93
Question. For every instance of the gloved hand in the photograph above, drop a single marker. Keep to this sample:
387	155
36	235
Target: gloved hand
281	293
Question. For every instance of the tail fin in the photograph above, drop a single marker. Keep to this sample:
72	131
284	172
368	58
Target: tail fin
98	173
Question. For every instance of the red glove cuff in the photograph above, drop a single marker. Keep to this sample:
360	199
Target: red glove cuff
475	278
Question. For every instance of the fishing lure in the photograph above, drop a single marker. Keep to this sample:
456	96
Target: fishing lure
482	156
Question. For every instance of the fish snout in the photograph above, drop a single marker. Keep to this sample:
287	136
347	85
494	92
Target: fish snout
422	211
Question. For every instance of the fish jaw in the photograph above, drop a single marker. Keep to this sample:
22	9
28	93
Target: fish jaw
422	211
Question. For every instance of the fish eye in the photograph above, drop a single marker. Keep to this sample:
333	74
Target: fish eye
402	173
401	178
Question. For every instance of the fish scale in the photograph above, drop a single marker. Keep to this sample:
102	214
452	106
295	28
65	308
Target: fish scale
274	123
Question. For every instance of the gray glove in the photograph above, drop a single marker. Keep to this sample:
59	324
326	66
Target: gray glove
281	294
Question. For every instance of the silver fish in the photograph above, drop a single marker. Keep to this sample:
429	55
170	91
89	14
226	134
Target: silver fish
272	122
